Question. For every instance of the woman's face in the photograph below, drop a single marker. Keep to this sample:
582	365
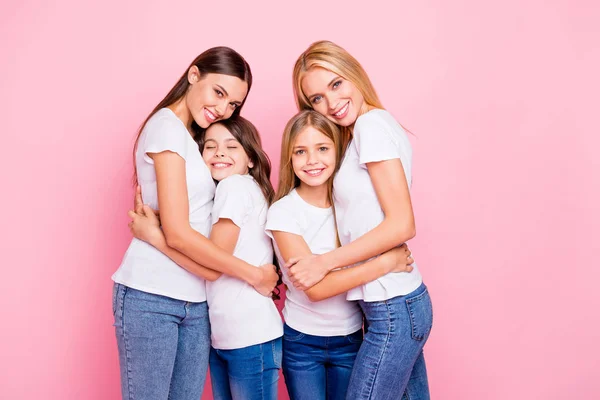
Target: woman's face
313	157
223	154
213	97
333	96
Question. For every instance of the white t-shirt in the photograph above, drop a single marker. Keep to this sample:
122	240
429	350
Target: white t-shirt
377	137
239	315
330	317
144	267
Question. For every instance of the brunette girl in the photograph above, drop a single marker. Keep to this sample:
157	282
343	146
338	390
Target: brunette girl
246	327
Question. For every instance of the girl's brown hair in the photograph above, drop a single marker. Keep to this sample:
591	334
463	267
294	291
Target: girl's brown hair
246	133
217	60
305	118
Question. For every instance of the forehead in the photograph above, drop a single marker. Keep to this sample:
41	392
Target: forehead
235	87
218	133
310	136
316	80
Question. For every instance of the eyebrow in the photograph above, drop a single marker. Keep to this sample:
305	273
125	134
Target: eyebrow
227	94
227	140
329	84
316	144
223	89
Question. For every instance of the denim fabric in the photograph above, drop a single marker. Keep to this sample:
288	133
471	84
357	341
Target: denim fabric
249	373
163	345
390	362
318	367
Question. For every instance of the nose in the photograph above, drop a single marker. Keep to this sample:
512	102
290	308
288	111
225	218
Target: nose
219	153
220	108
312	158
332	102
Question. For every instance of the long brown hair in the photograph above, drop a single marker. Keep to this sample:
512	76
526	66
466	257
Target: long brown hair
330	56
216	60
305	118
246	133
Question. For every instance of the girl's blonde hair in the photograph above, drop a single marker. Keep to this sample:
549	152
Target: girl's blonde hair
304	119
330	56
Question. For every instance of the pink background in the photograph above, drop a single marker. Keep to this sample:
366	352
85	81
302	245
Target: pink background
502	98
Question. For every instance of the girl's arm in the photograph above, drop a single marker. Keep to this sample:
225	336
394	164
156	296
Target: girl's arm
336	282
174	214
397	227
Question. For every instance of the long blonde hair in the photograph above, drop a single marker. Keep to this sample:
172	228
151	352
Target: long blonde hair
330	56
304	119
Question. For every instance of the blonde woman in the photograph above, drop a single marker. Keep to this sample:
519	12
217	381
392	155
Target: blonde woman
374	214
322	331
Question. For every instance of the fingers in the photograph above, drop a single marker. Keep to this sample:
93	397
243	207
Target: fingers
409	260
132	214
147	211
291	262
138	204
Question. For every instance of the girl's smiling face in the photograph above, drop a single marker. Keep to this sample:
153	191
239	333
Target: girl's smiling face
313	157
223	154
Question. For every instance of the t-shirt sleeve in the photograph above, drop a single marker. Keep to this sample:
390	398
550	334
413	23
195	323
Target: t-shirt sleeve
375	140
165	134
232	201
282	218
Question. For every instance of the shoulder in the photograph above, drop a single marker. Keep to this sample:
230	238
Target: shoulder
164	119
237	184
377	118
285	205
377	122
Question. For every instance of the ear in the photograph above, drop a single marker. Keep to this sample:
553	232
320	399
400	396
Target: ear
193	75
250	164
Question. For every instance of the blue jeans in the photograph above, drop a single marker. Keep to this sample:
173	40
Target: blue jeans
249	373
163	345
390	360
318	367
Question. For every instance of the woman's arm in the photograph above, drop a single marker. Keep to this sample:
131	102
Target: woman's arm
174	214
336	282
397	227
145	226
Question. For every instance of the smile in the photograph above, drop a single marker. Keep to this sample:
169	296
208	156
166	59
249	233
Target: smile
314	172
342	112
210	117
220	165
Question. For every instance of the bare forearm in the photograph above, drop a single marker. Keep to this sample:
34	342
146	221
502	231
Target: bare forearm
337	282
382	238
188	264
201	250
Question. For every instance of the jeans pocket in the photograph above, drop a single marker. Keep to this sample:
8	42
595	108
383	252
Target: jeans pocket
291	335
421	315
